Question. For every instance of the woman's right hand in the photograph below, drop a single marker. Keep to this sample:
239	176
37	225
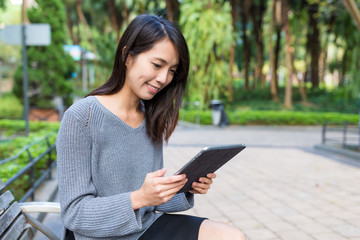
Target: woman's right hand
157	189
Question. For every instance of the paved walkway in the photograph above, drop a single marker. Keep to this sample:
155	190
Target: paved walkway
279	187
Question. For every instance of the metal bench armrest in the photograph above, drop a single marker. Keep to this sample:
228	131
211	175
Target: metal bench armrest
33	207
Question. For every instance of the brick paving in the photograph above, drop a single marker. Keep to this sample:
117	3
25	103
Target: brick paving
279	187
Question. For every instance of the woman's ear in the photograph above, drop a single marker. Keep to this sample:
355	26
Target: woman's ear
128	58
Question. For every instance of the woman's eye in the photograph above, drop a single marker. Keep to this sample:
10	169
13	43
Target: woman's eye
157	65
173	72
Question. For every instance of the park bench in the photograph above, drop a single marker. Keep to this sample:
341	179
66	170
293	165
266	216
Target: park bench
15	221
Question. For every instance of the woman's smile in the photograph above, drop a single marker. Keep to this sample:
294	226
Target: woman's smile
152	88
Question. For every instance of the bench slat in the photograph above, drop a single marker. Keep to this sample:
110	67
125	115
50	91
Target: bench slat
5	200
15	223
15	229
7	217
2	185
28	234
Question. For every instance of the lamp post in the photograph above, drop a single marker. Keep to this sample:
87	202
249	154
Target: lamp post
25	70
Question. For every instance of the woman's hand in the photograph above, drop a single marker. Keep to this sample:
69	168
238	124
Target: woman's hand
157	189
203	186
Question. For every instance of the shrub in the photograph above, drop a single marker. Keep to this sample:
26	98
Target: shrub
10	107
193	115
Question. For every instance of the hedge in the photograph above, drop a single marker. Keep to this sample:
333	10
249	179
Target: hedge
12	144
272	117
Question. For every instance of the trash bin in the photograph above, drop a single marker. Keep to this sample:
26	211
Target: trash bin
218	114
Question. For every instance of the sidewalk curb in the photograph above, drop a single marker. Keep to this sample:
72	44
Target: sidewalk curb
337	150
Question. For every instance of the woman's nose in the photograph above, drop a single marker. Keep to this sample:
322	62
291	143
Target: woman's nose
162	77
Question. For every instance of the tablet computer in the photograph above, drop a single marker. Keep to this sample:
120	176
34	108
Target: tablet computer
208	160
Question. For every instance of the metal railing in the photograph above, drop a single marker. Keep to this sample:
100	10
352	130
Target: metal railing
344	135
30	167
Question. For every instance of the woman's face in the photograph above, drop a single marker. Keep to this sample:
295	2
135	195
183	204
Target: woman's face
149	72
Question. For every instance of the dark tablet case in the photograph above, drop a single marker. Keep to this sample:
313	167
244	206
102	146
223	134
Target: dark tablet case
207	161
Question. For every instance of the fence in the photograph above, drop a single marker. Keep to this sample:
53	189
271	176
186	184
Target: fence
34	183
344	135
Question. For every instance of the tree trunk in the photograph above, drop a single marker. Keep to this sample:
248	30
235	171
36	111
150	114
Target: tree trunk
288	50
291	71
172	9
273	65
313	45
69	23
277	55
302	90
344	66
231	66
113	19
257	13
246	45
83	21
24	16
234	9
322	64
88	33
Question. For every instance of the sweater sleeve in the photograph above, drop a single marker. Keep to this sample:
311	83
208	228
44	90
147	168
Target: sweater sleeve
82	211
180	202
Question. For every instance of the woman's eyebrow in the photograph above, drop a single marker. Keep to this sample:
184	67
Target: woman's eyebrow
164	61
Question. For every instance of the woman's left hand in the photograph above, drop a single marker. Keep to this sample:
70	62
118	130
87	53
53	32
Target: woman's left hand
203	186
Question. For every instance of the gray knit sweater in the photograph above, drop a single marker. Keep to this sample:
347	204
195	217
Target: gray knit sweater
101	160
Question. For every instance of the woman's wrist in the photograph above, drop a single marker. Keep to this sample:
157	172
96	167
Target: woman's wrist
137	199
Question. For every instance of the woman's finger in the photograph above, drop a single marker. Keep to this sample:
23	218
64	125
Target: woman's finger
193	192
206	180
200	190
211	175
203	186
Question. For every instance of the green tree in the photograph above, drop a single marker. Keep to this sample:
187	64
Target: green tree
97	26
2	4
207	27
49	67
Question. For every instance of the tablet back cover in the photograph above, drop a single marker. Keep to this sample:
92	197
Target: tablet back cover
207	161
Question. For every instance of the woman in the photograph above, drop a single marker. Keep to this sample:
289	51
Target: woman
110	166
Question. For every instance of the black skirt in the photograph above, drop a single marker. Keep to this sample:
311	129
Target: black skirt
174	227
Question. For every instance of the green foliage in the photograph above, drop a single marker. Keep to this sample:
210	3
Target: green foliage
320	100
355	71
272	117
2	4
289	118
208	30
10	55
13	146
10	107
49	67
194	115
17	127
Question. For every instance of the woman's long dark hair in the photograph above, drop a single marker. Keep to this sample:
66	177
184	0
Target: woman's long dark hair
162	111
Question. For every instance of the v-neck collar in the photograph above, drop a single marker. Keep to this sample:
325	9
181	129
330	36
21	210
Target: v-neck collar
114	117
